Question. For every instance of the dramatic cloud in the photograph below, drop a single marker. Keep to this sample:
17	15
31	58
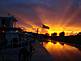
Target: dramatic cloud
32	13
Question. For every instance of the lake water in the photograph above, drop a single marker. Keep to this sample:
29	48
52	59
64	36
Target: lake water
63	52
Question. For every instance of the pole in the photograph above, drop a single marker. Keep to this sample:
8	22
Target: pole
37	30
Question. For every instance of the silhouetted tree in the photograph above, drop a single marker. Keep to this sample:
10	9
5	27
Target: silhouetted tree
79	33
62	34
54	34
62	38
47	34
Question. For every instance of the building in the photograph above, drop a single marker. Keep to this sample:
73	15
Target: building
14	39
7	22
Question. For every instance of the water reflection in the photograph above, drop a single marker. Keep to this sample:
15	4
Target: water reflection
63	52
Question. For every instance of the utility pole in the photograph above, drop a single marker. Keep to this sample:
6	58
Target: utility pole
37	30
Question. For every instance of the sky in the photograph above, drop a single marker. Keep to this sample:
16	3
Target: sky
59	15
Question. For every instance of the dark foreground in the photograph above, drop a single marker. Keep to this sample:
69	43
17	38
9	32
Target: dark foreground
44	54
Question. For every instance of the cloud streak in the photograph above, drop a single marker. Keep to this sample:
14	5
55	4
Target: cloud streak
37	12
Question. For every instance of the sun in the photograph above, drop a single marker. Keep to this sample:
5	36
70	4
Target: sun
67	30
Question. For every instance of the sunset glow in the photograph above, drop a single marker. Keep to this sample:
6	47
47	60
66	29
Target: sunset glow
62	51
59	15
55	26
40	30
68	31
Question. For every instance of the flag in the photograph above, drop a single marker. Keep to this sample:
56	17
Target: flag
44	26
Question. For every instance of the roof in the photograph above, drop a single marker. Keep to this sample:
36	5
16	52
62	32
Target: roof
9	17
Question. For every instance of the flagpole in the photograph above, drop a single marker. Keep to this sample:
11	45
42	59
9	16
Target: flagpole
37	30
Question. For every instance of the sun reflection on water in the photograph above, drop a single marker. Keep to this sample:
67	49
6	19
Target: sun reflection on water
63	52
